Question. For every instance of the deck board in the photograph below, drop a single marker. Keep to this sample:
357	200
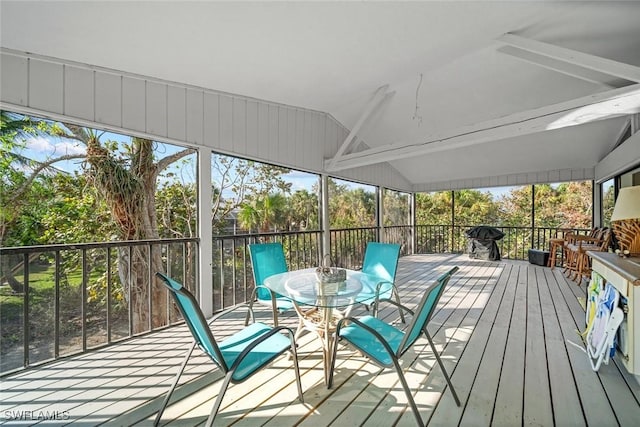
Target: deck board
507	333
563	394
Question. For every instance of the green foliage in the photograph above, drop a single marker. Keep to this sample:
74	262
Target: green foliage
176	206
396	208
567	205
304	207
351	208
433	208
245	185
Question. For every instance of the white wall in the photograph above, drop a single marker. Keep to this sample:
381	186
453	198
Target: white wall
623	158
173	112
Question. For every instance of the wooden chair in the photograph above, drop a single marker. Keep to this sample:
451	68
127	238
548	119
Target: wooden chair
579	263
557	244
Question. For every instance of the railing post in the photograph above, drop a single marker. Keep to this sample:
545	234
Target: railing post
380	215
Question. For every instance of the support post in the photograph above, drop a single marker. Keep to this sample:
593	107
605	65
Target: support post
326	223
205	231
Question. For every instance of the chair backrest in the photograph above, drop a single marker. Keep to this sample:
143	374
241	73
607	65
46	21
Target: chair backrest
195	320
606	239
424	311
381	259
267	259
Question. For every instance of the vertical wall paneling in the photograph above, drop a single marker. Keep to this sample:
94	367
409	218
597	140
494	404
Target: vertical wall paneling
176	112
46	86
263	130
79	94
565	175
234	124
156	109
226	123
252	128
195	116
331	135
292	143
14	83
272	143
239	122
134	104
320	139
108	98
212	120
283	118
307	147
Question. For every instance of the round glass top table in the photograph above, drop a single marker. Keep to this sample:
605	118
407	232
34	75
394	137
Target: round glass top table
321	305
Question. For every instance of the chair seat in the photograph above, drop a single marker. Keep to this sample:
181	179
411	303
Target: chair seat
282	304
259	356
362	339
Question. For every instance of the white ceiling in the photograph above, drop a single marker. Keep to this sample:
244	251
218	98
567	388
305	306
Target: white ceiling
446	66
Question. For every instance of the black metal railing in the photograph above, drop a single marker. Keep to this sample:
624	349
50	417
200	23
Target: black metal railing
232	279
76	297
65	299
514	245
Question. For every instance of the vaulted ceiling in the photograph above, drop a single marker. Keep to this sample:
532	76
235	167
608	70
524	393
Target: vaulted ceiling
441	90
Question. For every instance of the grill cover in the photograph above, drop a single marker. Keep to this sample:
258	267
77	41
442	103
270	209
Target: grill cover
482	242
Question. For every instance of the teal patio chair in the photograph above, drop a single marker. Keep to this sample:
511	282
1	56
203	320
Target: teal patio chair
267	259
384	344
239	356
381	260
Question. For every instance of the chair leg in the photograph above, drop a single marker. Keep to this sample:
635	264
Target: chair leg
174	385
407	391
250	314
394	291
216	405
444	371
294	351
333	358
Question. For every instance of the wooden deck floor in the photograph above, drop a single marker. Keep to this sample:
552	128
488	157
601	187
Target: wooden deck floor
506	332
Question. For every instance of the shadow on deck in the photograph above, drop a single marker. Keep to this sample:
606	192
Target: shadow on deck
506	332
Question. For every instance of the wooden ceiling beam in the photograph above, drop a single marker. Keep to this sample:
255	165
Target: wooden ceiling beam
380	95
603	65
606	81
598	106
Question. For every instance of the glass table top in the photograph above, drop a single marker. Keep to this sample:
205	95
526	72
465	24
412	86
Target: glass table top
303	287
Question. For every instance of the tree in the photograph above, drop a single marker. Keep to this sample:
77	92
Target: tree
237	182
304	210
515	207
396	208
433	208
125	175
22	196
351	208
264	213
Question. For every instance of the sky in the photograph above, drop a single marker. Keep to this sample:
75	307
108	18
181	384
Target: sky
41	148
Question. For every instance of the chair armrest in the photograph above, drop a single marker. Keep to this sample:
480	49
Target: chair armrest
261	339
403	307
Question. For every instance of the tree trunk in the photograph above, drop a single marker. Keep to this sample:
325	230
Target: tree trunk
130	194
